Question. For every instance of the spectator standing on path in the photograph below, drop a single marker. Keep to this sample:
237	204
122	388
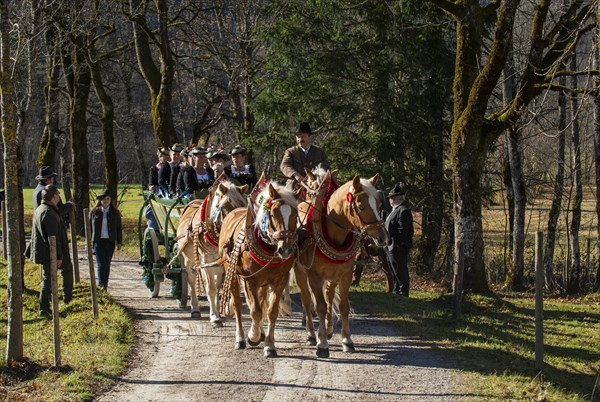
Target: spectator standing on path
399	225
304	155
46	176
47	222
106	234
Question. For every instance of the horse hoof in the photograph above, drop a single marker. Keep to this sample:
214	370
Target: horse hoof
195	314
329	336
252	343
271	353
323	352
348	347
311	340
240	345
217	324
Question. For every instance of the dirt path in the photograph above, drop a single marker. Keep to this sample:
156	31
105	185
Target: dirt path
180	359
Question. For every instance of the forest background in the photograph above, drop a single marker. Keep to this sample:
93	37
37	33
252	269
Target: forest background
468	105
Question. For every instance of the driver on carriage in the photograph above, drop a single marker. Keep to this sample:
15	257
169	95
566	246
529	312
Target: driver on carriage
304	155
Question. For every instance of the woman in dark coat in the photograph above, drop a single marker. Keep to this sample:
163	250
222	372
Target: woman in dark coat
106	234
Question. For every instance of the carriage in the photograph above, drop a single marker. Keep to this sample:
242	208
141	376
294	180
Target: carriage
159	247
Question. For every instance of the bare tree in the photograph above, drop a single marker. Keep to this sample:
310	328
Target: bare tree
14	344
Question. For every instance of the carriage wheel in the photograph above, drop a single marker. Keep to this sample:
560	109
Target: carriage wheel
155	258
184	281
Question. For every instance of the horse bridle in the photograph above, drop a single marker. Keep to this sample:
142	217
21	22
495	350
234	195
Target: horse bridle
366	227
285	235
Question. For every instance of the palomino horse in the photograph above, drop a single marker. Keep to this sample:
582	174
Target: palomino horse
260	251
335	226
198	236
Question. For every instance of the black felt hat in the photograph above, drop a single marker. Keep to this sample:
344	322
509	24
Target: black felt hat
103	193
176	147
46	172
304	129
396	191
199	150
238	149
164	151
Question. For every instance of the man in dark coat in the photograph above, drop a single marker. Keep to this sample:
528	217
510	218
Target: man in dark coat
399	225
303	155
164	172
175	167
46	223
47	176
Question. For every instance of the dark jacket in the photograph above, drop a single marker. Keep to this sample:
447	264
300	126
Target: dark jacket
46	223
173	180
211	179
153	176
164	176
248	178
187	181
294	160
115	231
63	208
399	225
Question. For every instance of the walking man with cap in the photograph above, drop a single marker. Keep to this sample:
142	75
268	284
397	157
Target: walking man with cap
46	223
304	155
399	225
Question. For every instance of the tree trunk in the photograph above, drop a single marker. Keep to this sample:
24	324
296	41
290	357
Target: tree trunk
558	191
137	138
515	279
574	285
14	336
78	78
433	205
597	147
159	82
111	173
49	140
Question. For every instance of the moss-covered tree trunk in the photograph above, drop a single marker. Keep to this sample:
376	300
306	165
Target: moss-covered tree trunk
111	173
78	78
557	193
14	336
49	140
159	81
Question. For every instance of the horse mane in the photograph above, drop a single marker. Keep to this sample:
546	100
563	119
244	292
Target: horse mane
320	172
234	194
288	196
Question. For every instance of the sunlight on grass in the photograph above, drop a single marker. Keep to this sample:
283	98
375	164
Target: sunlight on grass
494	343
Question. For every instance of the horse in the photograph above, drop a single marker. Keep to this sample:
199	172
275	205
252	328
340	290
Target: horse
336	221
198	236
260	251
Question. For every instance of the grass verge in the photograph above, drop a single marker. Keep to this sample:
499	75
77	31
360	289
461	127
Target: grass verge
494	342
93	351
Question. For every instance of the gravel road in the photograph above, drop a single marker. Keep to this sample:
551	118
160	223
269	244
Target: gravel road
180	359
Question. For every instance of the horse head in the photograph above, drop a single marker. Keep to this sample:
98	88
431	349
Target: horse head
363	205
225	198
277	219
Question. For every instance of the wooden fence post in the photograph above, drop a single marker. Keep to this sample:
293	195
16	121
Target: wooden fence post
4	237
54	288
539	302
73	229
88	242
457	284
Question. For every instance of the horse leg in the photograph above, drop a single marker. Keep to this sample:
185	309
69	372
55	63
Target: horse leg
255	334
330	295
316	284
302	281
212	279
191	278
273	313
347	344
240	342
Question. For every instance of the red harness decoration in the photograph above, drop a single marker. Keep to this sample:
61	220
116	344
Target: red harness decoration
265	249
348	242
203	220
